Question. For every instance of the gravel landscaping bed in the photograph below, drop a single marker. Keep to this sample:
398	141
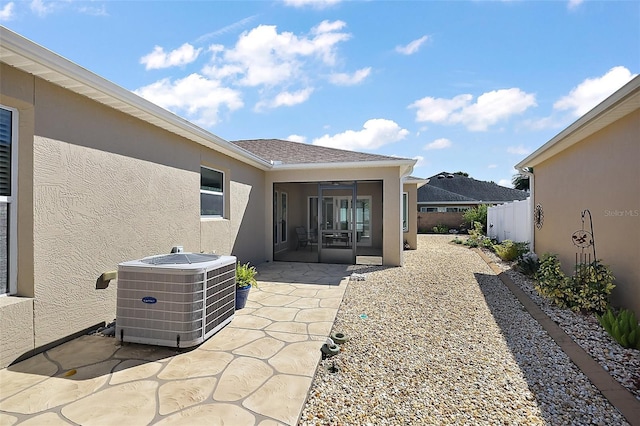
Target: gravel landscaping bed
443	341
623	364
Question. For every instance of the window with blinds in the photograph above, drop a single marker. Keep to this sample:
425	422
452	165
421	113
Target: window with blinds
5	152
6	137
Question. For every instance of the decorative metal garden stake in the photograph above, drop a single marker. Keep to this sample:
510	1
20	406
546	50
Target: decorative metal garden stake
584	239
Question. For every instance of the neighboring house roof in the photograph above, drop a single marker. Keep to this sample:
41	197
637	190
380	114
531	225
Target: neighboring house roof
624	101
447	188
432	194
287	154
36	60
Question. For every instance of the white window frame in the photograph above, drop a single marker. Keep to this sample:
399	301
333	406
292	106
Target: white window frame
405	212
221	194
284	205
12	200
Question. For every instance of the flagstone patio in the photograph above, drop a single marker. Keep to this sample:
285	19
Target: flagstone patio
255	371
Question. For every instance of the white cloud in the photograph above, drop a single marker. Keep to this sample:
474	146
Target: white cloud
224	30
489	108
573	4
194	96
286	99
518	150
344	79
262	56
506	183
297	138
492	166
412	47
281	66
420	161
158	59
6	13
94	10
318	4
40	8
592	91
441	143
374	134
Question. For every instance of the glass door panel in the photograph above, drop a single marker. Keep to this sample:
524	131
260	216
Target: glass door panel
336	239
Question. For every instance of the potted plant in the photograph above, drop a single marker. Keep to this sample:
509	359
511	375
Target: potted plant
245	279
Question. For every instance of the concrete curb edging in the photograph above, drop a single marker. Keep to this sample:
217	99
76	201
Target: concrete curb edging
623	400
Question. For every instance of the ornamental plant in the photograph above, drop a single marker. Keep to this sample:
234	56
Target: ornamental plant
592	285
551	282
623	327
588	290
528	264
441	229
509	250
245	275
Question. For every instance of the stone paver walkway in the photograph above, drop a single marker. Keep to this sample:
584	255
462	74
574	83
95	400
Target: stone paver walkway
256	371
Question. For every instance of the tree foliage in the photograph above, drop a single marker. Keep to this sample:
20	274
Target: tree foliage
477	214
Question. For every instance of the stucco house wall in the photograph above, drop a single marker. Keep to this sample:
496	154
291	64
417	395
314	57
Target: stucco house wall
601	174
109	188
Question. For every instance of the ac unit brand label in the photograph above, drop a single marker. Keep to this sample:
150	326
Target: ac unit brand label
149	299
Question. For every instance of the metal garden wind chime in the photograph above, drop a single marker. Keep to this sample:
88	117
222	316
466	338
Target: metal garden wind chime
584	240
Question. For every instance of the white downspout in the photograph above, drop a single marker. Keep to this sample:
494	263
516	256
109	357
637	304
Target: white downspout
529	174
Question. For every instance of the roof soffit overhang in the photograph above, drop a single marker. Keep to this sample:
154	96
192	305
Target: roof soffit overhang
623	102
405	166
36	60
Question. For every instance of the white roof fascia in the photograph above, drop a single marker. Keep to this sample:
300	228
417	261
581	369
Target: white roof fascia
619	104
34	59
349	165
419	182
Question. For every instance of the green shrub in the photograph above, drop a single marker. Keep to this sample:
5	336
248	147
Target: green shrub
477	238
477	214
509	250
587	290
457	240
592	284
623	327
441	229
551	282
528	264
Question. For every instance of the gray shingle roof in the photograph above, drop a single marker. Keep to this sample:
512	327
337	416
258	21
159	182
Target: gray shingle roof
460	188
288	152
432	193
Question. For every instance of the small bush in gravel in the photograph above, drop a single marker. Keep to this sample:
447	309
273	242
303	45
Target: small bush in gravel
528	264
509	250
441	229
551	282
478	239
587	290
623	327
592	284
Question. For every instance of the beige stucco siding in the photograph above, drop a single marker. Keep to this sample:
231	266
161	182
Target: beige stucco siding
98	187
601	174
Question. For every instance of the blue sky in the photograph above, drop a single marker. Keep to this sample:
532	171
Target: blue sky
460	86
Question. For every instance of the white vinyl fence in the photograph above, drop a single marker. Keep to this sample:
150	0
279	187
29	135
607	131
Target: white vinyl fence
510	221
